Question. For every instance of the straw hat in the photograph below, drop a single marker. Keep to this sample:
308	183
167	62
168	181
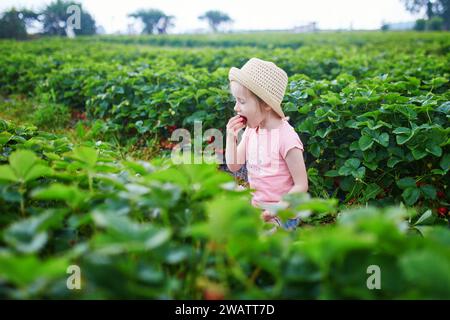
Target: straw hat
264	79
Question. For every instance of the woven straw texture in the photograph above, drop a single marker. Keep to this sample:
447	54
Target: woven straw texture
263	78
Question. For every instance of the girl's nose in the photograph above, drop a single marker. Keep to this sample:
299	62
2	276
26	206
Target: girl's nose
236	107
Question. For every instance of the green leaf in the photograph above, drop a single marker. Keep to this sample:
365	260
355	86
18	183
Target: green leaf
439	81
124	235
73	196
371	191
332	173
25	167
25	270
417	263
323	132
429	191
402	139
342	152
402	130
37	171
438	171
307	126
5	137
434	149
411	195
290	107
21	162
344	171
371	165
418	154
445	162
425	216
86	155
6	173
353	163
444	108
407	182
29	235
365	142
359	173
383	139
314	148
317	205
393	161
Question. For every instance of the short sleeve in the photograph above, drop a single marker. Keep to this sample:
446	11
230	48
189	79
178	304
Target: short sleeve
290	140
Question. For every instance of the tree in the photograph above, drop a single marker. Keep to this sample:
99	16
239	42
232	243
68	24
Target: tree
154	20
165	23
421	25
435	24
13	23
433	8
215	18
54	19
11	26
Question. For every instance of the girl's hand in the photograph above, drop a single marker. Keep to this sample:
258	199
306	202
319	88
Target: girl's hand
266	216
235	124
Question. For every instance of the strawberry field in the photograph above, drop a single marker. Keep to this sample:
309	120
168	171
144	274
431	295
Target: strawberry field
86	177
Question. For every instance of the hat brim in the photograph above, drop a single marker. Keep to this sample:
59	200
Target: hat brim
238	75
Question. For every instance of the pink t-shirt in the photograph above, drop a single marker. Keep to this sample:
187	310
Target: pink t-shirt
267	170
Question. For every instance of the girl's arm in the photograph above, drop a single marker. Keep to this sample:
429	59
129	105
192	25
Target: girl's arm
296	165
234	155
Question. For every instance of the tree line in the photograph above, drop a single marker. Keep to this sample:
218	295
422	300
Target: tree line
53	21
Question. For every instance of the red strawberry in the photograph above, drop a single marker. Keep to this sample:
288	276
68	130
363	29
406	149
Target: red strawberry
211	139
380	195
211	294
244	120
336	182
441	194
171	128
442	211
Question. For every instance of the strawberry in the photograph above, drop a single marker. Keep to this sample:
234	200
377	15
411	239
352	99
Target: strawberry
380	195
244	120
211	139
442	211
336	182
166	144
171	128
211	294
441	194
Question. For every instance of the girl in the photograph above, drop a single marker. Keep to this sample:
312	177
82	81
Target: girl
270	147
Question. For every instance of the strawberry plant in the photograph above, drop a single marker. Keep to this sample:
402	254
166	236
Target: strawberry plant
372	110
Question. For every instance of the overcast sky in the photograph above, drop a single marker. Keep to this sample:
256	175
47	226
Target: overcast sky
247	14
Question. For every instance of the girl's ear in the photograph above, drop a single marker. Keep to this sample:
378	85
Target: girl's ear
266	106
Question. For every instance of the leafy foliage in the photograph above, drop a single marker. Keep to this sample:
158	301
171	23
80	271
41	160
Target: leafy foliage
373	116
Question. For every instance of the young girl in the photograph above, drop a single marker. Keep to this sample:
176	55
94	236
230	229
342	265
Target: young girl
270	147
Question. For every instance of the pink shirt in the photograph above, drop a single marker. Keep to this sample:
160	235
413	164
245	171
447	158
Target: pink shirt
267	170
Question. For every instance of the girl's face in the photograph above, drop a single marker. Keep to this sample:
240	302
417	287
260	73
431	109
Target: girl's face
247	104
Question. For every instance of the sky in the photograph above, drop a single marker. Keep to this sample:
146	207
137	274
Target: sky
247	14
